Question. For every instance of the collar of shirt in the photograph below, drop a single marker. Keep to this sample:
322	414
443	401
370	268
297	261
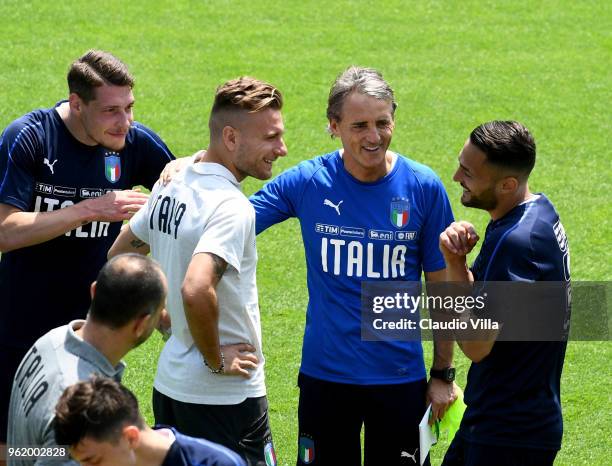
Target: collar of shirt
80	348
211	168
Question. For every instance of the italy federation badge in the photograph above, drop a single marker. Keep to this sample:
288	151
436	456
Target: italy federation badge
400	212
270	454
112	166
306	450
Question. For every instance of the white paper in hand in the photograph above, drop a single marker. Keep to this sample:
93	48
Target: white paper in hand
426	437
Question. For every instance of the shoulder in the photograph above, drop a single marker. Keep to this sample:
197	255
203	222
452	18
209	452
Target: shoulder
424	175
28	126
141	135
236	200
140	131
52	339
534	222
307	169
201	451
532	241
226	200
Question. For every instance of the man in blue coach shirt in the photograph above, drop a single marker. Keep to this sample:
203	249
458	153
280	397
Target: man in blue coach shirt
513	414
366	214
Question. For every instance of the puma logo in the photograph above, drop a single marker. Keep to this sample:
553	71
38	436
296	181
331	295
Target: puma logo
405	454
50	165
329	203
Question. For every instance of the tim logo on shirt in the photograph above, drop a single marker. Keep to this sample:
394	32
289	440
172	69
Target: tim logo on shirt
112	166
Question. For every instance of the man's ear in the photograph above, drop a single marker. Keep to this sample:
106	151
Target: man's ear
509	184
333	127
92	289
140	325
231	137
75	103
132	435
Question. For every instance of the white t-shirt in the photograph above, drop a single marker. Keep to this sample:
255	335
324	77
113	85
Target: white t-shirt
204	210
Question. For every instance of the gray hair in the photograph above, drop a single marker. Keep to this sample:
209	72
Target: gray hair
366	81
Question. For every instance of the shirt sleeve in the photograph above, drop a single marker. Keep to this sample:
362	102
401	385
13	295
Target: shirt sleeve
48	438
440	216
227	231
279	199
139	223
513	261
20	145
153	155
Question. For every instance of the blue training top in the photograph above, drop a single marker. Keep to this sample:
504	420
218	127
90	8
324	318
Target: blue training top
355	232
513	394
44	168
191	451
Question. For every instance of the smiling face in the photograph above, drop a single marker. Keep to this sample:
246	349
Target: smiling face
259	139
477	178
106	119
365	129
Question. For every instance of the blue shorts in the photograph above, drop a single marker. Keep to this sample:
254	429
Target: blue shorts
462	453
331	416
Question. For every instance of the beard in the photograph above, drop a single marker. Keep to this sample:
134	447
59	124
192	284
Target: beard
485	200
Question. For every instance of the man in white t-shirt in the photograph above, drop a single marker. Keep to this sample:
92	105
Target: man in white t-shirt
201	228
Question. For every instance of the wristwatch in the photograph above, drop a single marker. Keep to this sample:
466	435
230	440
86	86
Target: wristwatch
448	374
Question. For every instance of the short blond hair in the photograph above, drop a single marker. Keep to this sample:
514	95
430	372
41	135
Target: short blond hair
242	95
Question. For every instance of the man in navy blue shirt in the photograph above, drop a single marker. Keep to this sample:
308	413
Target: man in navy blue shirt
66	175
100	422
513	411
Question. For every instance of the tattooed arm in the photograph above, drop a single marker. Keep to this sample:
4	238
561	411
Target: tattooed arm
202	311
127	241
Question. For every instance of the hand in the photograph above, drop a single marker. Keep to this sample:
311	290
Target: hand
199	156
164	326
115	206
441	395
239	358
172	168
458	240
175	166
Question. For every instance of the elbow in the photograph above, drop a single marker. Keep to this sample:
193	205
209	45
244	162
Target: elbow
476	357
6	245
476	351
195	294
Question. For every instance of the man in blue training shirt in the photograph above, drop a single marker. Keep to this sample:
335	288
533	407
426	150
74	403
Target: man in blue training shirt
513	414
366	214
100	422
66	175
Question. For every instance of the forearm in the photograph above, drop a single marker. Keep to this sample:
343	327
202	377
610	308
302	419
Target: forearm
458	271
20	229
442	354
202	313
442	340
128	242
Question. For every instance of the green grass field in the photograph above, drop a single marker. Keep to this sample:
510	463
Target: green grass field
453	65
